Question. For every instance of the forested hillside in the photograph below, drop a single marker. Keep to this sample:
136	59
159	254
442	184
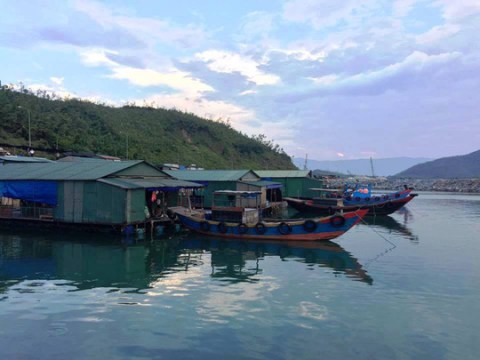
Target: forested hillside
155	135
454	167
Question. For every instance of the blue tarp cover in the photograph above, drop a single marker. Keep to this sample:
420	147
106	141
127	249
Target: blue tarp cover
37	191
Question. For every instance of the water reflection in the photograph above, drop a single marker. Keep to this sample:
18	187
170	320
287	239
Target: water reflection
105	262
392	225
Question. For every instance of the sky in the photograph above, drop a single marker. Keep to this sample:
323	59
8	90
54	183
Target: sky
332	79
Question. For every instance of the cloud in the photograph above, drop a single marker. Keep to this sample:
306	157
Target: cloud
227	62
150	30
395	76
323	13
57	80
172	78
437	33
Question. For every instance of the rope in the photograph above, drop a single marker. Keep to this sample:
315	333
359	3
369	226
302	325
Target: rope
384	238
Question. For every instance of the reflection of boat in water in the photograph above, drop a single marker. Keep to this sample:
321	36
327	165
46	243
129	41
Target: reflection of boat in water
239	260
87	264
392	225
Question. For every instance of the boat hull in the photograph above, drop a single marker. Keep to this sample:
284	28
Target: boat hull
381	207
326	228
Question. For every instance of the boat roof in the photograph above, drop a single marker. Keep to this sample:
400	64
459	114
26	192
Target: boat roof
237	192
324	189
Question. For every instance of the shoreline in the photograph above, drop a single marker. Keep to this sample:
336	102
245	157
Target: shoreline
433	185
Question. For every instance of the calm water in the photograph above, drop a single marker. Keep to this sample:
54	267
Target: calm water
403	287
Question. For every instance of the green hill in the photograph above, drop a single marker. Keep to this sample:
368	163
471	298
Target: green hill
155	135
455	167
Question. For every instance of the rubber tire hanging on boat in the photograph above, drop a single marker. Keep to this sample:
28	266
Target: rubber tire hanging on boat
222	227
260	228
171	215
309	225
284	228
337	221
397	195
242	228
205	225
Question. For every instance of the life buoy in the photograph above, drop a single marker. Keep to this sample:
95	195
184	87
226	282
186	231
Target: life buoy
205	225
242	228
389	204
367	199
171	214
337	221
309	225
222	227
284	228
397	195
260	228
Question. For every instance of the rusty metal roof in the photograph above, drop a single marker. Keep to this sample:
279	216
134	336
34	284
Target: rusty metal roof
208	175
271	174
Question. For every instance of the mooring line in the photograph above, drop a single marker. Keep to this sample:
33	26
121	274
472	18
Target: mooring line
383	237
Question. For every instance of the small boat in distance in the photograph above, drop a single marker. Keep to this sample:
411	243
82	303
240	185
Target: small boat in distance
236	214
352	198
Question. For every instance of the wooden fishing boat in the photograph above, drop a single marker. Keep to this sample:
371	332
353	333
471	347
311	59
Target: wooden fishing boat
239	217
331	201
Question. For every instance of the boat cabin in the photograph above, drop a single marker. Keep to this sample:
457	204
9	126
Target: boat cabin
236	206
330	197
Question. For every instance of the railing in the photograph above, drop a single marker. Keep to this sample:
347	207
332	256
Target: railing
25	212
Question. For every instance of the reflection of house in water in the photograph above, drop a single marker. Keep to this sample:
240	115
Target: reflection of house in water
102	262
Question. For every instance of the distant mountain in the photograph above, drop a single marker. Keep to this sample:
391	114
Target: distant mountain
454	167
382	167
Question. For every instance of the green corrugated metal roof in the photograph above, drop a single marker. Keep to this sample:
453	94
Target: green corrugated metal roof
208	175
149	183
263	183
266	174
65	170
23	159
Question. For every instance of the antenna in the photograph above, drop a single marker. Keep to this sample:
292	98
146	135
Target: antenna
305	163
371	166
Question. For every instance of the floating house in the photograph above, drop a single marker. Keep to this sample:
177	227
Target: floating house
240	180
91	193
296	183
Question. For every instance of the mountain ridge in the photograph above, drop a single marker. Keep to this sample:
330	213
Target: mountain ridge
382	167
147	133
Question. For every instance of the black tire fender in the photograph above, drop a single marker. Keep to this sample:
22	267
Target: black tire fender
260	228
284	228
242	228
337	221
309	225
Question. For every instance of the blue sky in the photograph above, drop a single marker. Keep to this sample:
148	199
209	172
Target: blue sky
335	79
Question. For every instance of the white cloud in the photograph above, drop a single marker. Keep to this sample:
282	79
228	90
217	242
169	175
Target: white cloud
322	13
437	34
57	80
415	62
454	11
228	62
149	30
401	8
172	78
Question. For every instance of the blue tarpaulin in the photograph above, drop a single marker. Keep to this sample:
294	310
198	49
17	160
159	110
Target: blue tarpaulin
36	191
